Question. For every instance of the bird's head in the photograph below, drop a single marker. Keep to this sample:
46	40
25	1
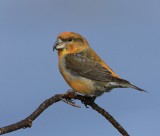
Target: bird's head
70	42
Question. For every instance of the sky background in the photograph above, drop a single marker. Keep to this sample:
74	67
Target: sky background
125	33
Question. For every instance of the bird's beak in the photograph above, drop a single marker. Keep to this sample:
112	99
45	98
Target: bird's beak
58	45
55	45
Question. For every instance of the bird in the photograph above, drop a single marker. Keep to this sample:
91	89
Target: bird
84	71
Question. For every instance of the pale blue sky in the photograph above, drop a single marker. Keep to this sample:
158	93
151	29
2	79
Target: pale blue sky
126	34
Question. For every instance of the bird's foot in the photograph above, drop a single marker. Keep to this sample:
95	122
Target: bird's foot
68	96
70	102
88	101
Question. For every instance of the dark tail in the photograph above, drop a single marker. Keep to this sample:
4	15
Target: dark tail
126	84
137	88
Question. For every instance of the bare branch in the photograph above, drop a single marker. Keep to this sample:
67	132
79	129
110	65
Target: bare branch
67	98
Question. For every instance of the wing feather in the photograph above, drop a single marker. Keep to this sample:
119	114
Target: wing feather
87	68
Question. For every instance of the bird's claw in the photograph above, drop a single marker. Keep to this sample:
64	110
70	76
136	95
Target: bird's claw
70	102
70	94
89	101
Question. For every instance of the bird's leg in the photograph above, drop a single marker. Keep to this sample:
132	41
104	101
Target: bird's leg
86	100
68	98
89	100
71	91
70	102
70	94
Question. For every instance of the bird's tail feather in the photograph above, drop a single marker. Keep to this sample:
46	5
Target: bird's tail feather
137	88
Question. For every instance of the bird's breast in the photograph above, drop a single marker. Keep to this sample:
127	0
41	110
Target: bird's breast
77	83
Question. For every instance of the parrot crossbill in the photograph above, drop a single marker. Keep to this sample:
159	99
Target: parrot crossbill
84	71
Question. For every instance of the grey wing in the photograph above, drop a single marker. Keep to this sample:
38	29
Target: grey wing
90	69
87	68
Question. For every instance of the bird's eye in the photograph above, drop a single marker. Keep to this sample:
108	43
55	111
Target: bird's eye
70	39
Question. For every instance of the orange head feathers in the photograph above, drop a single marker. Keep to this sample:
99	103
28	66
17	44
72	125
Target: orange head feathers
70	42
